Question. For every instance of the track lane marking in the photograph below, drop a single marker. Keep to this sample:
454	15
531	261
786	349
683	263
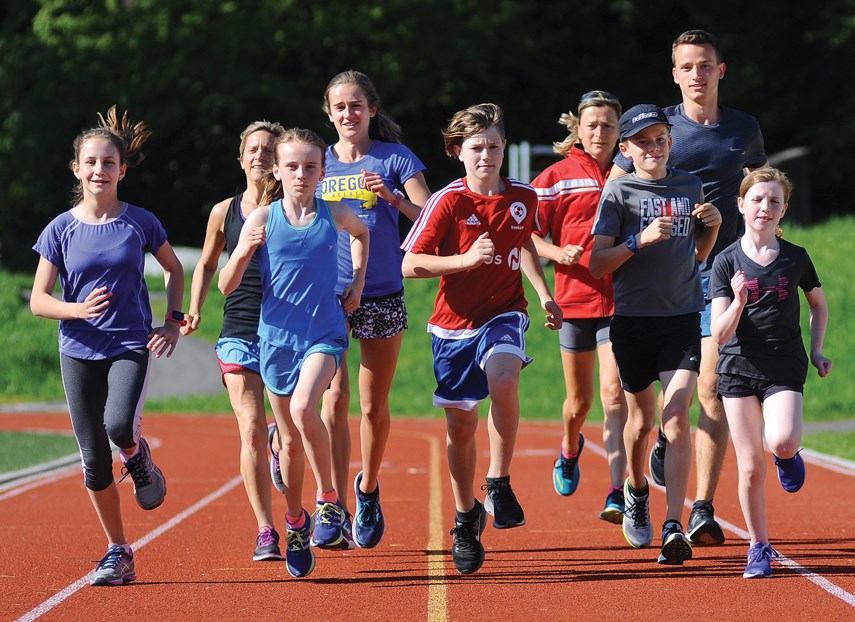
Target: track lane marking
58	598
830	463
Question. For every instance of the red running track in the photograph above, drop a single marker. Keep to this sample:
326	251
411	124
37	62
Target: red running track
193	554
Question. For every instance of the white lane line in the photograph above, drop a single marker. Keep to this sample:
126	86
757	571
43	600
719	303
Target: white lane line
83	581
828	462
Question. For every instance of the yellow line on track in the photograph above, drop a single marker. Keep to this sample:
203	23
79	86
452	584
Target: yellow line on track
437	589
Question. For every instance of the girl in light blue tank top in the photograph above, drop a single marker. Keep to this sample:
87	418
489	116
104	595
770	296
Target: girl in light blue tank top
302	328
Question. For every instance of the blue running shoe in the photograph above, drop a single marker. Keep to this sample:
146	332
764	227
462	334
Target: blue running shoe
275	472
299	558
613	510
676	547
791	472
329	518
759	561
369	526
115	568
347	529
565	474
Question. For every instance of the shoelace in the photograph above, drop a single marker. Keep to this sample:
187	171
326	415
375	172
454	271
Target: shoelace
296	539
136	468
367	512
568	467
464	535
764	552
635	511
267	537
500	491
705	511
112	558
327	512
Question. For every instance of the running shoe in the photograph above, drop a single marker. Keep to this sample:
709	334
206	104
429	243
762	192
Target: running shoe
115	568
636	518
791	472
676	547
565	472
759	561
149	483
369	527
657	458
703	528
275	473
347	529
501	502
299	557
613	510
467	552
267	545
328	533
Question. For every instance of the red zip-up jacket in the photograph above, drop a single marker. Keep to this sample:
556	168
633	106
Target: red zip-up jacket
568	194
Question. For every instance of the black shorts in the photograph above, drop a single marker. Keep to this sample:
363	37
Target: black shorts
644	347
583	335
730	385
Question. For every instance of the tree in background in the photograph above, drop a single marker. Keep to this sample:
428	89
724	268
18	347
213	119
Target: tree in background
200	71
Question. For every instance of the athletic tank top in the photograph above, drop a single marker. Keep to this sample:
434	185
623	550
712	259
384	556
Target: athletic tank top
243	306
299	307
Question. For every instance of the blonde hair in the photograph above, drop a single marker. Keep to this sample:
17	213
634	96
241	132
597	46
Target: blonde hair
571	121
258	126
125	135
767	174
470	121
272	186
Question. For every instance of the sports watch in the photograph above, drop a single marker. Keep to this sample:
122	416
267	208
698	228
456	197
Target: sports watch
177	317
631	244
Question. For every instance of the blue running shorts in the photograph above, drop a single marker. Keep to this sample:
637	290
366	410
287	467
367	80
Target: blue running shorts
280	367
459	364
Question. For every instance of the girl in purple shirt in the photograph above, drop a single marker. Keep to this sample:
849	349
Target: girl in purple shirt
97	250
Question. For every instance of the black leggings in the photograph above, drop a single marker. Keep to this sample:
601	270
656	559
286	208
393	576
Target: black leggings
105	399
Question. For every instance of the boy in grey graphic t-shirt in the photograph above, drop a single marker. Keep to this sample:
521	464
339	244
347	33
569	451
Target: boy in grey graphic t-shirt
651	229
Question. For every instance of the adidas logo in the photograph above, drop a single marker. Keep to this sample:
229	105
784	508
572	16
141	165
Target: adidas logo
473	220
506	338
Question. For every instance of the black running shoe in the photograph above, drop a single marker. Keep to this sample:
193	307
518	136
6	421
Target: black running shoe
466	548
703	528
657	459
501	502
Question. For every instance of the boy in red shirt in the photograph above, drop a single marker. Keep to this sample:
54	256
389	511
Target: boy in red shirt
475	234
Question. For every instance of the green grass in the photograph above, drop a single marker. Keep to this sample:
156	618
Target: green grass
29	369
841	444
19	450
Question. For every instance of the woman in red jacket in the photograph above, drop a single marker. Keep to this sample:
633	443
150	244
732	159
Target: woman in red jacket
568	195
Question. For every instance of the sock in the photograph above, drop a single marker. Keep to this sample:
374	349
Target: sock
639	492
615	489
498	480
127	456
328	497
295	523
470	516
567	456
